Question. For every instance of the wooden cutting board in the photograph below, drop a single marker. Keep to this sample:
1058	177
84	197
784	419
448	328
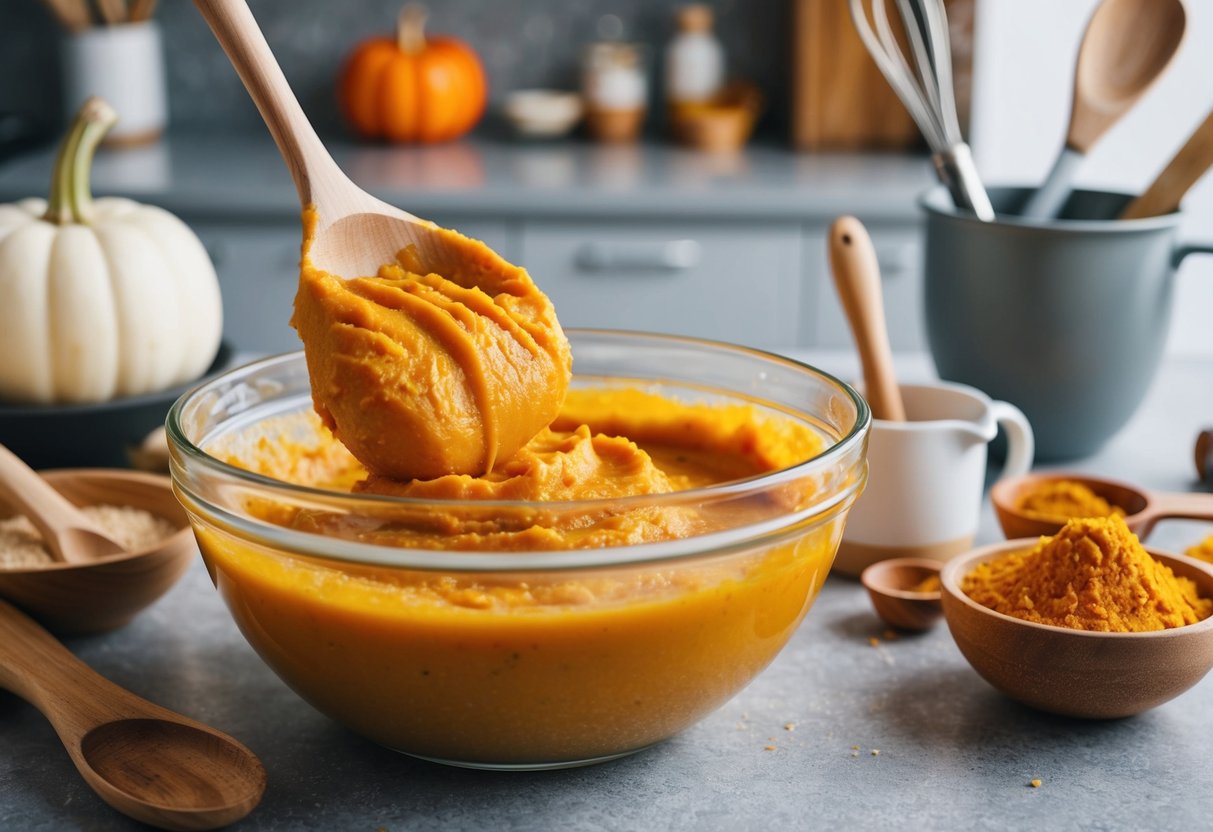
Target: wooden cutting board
840	101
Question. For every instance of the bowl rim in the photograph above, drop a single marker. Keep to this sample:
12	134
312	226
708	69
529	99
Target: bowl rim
935	201
530	560
225	354
949	580
180	532
870	581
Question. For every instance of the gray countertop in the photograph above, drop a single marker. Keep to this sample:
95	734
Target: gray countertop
953	753
241	177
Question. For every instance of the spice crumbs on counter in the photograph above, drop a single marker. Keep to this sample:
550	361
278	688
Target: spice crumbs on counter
875	752
875	642
770	748
890	635
1034	783
789	726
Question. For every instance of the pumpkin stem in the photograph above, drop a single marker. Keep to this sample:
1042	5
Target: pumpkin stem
410	28
71	198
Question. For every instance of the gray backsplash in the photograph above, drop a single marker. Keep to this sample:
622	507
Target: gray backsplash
523	43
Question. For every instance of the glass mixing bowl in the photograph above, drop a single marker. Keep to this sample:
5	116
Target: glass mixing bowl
532	659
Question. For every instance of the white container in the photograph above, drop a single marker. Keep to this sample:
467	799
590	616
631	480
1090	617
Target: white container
926	475
124	64
694	59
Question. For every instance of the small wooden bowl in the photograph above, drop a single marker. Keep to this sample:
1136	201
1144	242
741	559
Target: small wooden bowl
1142	508
723	124
1075	672
890	586
73	599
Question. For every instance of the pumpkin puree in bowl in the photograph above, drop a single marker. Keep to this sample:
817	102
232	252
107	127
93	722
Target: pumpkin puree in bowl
451	396
430	662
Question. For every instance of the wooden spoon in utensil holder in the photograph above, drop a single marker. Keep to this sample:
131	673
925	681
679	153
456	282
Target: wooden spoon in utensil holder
1181	173
857	278
1126	47
146	761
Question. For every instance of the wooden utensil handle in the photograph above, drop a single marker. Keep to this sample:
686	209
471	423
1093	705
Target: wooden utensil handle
1181	173
237	32
50	512
857	276
38	668
1175	507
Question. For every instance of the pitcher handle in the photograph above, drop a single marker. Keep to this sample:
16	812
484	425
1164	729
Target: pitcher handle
1184	249
1021	443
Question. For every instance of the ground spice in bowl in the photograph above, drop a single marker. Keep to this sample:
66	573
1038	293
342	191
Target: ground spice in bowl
22	546
1202	551
1061	500
1092	575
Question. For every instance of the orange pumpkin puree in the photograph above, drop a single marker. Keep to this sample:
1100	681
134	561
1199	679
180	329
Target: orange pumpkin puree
583	664
422	375
423	661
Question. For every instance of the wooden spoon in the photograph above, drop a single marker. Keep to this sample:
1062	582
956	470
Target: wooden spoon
146	761
1127	45
1181	173
70	536
355	232
857	277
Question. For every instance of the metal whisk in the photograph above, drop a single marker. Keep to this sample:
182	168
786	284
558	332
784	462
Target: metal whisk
926	89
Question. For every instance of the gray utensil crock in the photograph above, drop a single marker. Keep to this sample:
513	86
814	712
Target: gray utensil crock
1067	319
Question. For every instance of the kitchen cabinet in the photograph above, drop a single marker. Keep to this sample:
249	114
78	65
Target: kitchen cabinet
646	236
739	283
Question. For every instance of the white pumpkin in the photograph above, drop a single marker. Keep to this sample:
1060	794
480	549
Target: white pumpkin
100	299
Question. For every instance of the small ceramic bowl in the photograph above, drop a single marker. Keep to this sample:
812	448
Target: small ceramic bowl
1075	672
890	585
542	113
70	599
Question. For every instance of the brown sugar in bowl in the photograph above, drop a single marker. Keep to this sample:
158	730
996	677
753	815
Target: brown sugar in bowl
1092	675
71	599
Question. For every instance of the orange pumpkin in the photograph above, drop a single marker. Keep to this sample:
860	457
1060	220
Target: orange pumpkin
413	88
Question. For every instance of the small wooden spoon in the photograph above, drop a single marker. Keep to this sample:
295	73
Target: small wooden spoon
70	536
1181	173
146	761
1127	45
355	232
1143	509
857	277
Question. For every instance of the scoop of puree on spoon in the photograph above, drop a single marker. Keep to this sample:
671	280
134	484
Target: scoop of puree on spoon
70	536
1127	45
146	761
428	353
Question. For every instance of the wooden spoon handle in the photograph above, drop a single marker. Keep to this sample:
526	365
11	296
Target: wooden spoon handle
39	669
1174	506
857	277
1181	173
50	512
311	166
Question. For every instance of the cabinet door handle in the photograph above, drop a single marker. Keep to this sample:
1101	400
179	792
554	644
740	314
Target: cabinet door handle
668	256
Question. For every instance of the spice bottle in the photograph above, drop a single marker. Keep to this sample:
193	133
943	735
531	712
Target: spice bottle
694	59
615	90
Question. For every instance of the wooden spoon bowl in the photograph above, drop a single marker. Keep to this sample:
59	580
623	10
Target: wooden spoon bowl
94	597
1142	508
890	584
1074	672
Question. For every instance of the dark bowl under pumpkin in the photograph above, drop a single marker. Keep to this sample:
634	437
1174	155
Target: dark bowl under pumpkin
94	435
